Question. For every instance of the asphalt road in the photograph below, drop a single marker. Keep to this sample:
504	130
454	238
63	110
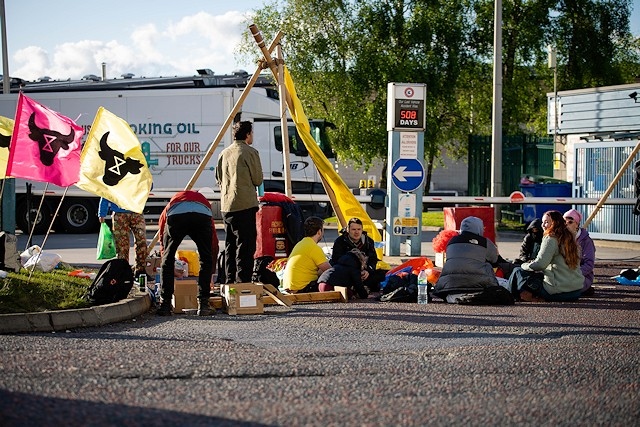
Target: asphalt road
357	363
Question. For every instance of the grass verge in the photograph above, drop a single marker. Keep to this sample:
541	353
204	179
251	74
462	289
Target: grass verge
54	290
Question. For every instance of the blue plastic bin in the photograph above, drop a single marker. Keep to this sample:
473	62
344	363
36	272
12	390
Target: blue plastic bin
555	189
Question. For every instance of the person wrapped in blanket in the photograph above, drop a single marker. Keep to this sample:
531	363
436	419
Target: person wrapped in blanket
346	272
468	273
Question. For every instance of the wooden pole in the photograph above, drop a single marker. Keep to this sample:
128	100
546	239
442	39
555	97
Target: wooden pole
605	196
224	127
283	123
230	117
272	66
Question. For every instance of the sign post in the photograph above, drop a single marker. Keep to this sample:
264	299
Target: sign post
406	174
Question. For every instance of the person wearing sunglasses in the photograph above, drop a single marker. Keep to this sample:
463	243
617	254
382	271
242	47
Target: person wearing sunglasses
573	218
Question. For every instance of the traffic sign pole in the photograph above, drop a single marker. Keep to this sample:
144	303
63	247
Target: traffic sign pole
406	172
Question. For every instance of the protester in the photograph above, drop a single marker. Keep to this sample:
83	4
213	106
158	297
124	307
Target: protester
572	219
307	260
347	272
125	223
187	214
559	262
531	242
354	237
238	173
468	267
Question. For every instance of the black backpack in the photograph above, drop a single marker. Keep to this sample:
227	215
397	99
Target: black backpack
112	283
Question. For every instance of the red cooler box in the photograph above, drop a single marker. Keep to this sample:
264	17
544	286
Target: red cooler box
453	218
272	239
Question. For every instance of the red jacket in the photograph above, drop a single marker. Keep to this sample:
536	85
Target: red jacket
189	196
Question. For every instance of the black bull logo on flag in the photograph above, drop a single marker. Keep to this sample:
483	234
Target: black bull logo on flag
49	141
116	165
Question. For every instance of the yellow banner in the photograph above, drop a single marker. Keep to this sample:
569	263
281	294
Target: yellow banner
342	199
6	130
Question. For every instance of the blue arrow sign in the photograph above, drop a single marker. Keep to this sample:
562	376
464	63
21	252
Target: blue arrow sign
407	174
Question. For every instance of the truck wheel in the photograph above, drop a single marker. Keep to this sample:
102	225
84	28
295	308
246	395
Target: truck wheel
78	217
42	220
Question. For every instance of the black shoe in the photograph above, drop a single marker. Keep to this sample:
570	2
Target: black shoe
204	309
589	292
164	310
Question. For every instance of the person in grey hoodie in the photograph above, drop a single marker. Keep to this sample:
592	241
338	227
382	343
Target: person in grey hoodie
470	256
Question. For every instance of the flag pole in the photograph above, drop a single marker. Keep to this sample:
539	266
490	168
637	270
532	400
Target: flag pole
224	127
33	227
48	231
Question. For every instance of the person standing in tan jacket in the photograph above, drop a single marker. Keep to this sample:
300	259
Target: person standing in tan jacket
238	173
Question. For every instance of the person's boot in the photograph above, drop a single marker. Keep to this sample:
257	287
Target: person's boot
164	309
204	309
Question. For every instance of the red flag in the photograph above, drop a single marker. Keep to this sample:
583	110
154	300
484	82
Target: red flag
45	145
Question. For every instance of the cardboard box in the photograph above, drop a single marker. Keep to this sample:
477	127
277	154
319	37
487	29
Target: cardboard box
242	298
185	294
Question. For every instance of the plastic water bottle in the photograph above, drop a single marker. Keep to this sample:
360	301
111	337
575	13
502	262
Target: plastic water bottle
158	276
423	295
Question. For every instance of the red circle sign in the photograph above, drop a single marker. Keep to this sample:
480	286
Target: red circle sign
516	197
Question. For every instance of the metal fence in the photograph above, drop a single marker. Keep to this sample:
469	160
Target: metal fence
521	154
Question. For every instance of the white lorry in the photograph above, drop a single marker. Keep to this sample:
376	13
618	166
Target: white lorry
176	120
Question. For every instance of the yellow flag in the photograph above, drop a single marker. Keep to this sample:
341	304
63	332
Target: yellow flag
112	164
6	130
343	201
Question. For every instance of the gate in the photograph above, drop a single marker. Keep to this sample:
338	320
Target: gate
596	165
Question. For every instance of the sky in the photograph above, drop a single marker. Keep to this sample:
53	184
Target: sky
70	38
66	39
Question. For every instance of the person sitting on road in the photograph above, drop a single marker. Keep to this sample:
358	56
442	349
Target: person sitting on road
346	272
468	270
354	237
531	242
572	219
559	262
307	260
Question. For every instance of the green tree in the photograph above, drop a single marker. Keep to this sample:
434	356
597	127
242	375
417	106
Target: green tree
343	54
594	40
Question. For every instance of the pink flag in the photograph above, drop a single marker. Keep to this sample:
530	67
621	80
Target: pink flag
45	145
